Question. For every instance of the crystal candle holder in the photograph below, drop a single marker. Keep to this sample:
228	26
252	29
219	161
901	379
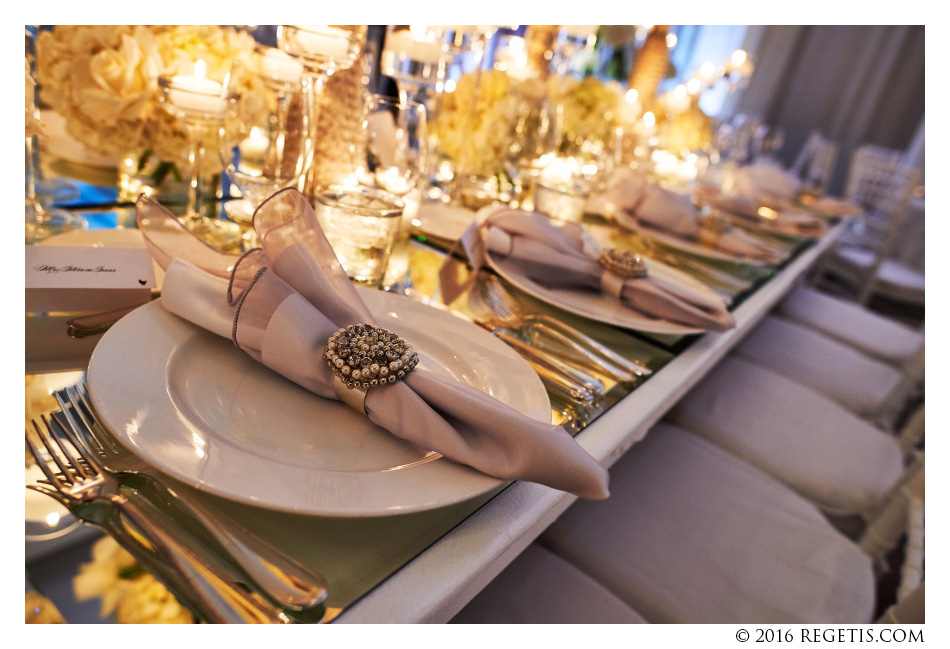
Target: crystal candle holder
561	201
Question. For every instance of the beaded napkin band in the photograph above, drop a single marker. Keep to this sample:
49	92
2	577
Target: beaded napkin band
712	225
619	266
363	356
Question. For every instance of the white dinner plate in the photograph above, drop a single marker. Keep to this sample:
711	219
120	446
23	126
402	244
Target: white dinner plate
601	307
693	248
448	222
197	408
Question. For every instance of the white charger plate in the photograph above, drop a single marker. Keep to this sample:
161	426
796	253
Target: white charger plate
600	307
197	408
448	222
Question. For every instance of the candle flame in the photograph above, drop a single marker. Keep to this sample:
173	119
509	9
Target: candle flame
632	96
768	213
649	119
201	69
739	57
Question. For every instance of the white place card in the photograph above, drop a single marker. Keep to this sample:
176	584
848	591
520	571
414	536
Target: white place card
83	279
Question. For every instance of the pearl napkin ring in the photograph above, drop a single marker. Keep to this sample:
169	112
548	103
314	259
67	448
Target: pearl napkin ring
363	356
712	225
623	263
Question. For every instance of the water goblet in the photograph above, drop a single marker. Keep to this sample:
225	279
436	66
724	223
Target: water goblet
396	145
263	143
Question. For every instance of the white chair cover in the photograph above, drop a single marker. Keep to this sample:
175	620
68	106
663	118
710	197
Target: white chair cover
540	587
856	381
854	325
691	534
829	455
892	279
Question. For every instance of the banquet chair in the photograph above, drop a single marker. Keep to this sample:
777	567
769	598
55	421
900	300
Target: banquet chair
816	161
868	387
693	534
902	516
842	463
855	325
859	261
539	587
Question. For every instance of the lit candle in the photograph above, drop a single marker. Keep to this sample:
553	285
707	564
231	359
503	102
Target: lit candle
678	100
254	148
279	66
322	40
197	93
412	45
560	171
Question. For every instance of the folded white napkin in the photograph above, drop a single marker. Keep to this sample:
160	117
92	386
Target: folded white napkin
778	217
764	182
564	256
635	201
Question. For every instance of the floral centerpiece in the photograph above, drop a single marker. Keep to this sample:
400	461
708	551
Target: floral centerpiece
590	109
103	80
589	112
125	589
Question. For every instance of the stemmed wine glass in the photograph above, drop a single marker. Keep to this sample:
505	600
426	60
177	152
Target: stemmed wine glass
199	103
40	222
264	145
322	49
534	138
396	144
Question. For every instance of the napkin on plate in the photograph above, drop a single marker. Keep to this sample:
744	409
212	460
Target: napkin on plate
634	201
834	206
776	217
290	297
564	256
764	182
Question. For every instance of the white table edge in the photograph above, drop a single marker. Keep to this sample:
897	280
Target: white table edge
438	583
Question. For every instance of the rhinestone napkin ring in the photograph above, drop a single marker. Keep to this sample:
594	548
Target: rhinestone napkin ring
363	356
711	226
623	263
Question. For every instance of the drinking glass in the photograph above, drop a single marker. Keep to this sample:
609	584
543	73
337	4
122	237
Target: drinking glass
361	225
40	222
265	147
396	145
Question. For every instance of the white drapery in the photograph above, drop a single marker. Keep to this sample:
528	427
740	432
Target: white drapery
858	84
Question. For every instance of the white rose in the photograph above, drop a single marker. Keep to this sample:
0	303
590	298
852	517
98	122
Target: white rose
116	84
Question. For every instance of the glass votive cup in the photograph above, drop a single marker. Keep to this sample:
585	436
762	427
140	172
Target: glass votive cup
477	191
362	225
561	201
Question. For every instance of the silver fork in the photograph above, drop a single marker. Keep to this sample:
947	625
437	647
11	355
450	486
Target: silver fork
296	589
75	479
569	381
512	314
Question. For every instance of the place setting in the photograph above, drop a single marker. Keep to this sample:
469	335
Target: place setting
366	318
